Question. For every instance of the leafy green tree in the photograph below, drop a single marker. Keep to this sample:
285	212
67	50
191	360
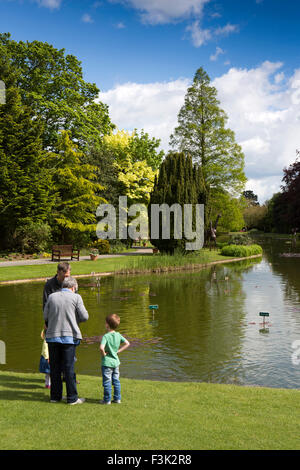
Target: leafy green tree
178	182
76	193
291	193
127	165
24	179
136	181
255	216
34	237
143	148
283	214
106	173
231	208
251	198
202	133
52	84
276	214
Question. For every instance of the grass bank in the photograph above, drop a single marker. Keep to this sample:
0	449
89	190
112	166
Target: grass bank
117	264
153	415
165	263
40	271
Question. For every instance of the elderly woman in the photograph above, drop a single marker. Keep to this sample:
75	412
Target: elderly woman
63	311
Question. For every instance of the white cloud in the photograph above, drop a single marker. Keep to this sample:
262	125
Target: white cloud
216	15
265	115
263	112
257	146
51	4
165	11
152	107
279	77
120	25
172	11
227	29
218	52
201	36
86	18
264	187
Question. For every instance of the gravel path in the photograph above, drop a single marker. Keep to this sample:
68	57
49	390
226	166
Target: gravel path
139	251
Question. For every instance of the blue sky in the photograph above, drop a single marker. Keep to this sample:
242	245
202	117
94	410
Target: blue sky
118	42
142	54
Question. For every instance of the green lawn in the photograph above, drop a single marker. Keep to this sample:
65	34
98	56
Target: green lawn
118	263
153	415
9	273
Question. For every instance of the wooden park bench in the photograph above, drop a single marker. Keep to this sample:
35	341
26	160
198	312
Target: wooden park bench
60	252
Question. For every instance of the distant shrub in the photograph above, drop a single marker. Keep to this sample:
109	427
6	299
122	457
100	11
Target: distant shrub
102	246
221	244
239	239
241	251
117	247
33	237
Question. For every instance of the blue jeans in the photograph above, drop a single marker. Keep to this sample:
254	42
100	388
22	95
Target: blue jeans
111	376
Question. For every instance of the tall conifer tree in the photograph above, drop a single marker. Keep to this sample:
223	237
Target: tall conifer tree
202	133
24	180
178	182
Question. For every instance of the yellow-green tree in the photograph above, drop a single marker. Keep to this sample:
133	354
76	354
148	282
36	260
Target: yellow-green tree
137	180
134	174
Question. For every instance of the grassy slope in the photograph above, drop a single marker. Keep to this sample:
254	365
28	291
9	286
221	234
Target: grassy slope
153	415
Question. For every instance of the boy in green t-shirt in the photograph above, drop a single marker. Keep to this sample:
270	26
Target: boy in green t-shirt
110	348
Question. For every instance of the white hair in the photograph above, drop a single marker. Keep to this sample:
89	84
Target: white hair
70	282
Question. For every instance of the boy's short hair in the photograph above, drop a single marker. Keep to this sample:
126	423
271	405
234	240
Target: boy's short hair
113	321
64	267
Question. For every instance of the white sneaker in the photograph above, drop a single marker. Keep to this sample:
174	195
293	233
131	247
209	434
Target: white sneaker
79	401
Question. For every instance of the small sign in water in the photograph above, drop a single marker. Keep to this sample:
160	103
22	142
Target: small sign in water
264	315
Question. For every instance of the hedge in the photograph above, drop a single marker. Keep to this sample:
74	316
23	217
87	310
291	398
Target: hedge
241	251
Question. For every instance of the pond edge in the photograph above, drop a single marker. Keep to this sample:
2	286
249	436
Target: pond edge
135	271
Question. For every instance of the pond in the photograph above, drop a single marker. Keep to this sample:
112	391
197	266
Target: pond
206	328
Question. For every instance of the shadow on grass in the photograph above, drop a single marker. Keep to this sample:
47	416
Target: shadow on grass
19	382
29	389
19	395
22	388
94	401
